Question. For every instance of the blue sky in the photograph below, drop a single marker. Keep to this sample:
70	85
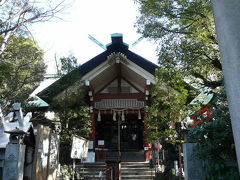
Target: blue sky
97	18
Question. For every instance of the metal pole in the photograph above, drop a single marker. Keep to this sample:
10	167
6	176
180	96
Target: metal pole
73	174
180	161
119	135
226	16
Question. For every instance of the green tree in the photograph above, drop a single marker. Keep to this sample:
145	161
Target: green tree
71	108
215	142
74	116
67	64
185	33
21	70
168	105
186	36
168	102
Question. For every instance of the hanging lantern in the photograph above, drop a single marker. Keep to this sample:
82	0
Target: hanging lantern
99	116
114	116
123	116
139	114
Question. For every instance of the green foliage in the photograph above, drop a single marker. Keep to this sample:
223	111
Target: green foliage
66	172
216	146
168	100
185	32
21	70
68	64
74	115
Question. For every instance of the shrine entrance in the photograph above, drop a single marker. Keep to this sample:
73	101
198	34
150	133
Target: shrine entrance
131	133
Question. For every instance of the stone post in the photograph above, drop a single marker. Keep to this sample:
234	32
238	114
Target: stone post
1	122
18	110
14	156
192	166
113	165
226	15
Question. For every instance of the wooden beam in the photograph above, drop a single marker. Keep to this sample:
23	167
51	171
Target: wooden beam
131	84
118	69
107	84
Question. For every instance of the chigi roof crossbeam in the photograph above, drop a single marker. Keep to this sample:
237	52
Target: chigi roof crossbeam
117	47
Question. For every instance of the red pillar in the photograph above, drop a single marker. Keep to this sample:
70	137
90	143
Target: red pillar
147	146
93	134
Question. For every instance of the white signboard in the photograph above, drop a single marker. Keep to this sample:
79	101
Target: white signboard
90	145
79	148
101	142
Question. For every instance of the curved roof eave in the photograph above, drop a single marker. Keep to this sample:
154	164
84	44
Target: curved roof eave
67	80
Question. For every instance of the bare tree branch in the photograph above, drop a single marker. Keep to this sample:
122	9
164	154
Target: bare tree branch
14	18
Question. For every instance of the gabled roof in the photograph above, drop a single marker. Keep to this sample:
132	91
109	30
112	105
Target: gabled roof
116	46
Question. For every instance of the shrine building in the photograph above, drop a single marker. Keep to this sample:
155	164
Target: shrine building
118	83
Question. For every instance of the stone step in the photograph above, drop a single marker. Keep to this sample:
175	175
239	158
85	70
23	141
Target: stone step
136	170
91	164
90	171
137	174
93	178
131	177
129	170
135	166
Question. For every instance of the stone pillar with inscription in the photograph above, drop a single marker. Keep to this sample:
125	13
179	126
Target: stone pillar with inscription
15	149
192	165
14	156
53	155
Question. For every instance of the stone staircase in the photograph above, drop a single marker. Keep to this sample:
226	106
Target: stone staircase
90	171
129	170
133	167
136	170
